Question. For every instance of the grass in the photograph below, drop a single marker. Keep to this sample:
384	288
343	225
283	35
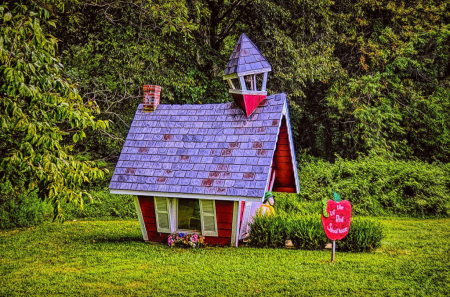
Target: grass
91	258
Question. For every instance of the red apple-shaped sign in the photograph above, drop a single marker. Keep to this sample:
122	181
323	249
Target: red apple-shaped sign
336	218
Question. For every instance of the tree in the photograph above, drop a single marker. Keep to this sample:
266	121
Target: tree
395	98
42	116
361	76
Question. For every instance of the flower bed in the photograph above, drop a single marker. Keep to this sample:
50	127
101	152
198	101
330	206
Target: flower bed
186	240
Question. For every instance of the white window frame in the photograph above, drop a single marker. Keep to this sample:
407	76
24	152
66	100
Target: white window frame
172	206
175	219
157	211
214	233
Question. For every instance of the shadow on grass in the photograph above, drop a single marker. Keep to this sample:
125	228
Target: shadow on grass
107	239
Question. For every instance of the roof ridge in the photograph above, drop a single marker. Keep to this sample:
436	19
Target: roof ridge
283	94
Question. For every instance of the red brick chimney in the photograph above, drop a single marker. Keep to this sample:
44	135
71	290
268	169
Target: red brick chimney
151	97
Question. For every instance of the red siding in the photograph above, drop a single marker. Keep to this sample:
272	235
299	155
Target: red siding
239	99
242	212
252	102
224	212
248	103
148	212
282	163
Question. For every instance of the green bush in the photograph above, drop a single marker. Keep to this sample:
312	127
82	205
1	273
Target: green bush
364	235
288	203
377	186
268	231
28	210
306	233
103	205
24	210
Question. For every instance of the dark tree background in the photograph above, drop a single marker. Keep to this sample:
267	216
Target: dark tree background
363	77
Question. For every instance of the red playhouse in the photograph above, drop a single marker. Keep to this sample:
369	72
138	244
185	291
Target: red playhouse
196	167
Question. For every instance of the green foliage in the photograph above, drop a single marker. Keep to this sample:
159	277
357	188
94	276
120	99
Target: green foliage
135	43
395	98
268	231
42	116
286	203
378	186
363	77
307	233
25	210
102	206
364	235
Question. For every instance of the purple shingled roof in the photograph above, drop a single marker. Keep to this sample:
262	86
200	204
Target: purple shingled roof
211	149
246	57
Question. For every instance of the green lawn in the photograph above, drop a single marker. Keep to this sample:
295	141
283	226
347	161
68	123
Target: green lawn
109	258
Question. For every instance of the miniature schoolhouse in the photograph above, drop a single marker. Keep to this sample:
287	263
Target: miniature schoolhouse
194	167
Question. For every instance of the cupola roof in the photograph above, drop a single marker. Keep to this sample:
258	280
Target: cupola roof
246	59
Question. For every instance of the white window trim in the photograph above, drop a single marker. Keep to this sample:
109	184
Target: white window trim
172	206
141	218
173	212
209	233
157	211
175	220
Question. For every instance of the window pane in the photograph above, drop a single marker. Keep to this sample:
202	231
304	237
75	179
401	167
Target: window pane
189	214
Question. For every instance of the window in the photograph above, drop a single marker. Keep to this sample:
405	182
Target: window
189	214
185	215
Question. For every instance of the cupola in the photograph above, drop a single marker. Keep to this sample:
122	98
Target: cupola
246	73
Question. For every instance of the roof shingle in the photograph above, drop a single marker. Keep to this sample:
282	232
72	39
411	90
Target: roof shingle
230	158
246	57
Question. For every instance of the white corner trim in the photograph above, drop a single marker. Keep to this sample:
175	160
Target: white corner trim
141	218
189	196
234	224
291	146
272	181
173	213
284	108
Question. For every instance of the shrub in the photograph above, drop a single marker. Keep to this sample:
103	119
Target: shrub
364	235
24	210
306	232
103	205
288	203
268	231
377	186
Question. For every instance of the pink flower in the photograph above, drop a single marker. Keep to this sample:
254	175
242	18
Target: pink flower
194	237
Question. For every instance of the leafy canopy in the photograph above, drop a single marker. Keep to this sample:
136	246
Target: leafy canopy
41	114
